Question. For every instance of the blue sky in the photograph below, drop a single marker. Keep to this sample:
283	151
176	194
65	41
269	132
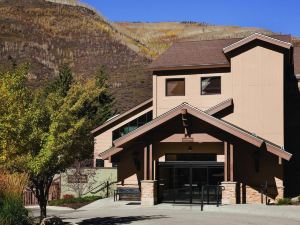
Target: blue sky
277	15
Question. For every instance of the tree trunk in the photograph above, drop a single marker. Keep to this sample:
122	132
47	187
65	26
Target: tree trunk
43	209
41	189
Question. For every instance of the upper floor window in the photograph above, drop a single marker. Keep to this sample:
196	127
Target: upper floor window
132	125
175	87
210	85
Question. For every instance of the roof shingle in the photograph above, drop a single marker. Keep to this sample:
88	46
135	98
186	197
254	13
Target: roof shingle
185	54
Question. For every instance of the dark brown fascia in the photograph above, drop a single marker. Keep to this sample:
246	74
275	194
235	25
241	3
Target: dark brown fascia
109	152
188	67
276	150
223	125
119	117
219	107
165	117
211	111
257	36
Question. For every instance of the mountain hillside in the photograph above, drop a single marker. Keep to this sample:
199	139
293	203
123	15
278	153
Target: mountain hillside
49	33
157	37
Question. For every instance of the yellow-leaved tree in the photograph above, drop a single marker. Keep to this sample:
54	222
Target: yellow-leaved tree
42	132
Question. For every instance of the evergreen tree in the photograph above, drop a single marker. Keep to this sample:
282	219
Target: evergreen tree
62	83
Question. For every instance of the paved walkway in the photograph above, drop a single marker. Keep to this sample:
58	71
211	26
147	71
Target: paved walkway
51	210
106	212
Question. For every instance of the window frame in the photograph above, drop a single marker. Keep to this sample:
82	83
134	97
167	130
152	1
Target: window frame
201	87
174	79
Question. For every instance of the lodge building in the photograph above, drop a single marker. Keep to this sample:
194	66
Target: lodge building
223	113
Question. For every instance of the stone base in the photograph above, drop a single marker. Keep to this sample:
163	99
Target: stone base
148	192
229	192
253	194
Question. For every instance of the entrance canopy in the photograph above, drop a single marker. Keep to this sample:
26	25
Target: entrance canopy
187	115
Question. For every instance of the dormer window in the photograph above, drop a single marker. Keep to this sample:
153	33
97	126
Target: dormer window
175	87
210	85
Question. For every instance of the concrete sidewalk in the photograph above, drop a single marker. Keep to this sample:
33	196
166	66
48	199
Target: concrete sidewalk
51	210
105	211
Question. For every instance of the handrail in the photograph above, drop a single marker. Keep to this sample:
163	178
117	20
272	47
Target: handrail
106	184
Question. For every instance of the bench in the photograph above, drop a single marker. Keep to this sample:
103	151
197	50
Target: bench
127	194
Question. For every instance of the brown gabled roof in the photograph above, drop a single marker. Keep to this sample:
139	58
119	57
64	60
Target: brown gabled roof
201	54
297	60
257	36
219	123
118	118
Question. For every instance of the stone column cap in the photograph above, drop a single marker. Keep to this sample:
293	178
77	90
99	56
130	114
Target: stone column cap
148	181
228	182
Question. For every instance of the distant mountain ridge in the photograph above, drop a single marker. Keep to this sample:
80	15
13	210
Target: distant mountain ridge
48	34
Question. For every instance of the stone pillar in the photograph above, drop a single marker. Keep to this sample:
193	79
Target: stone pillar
148	192
229	192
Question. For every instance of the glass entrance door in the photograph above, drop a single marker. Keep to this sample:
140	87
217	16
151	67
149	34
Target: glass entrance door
182	186
180	183
199	178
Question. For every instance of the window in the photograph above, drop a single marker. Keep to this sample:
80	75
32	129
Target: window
175	87
210	85
132	125
99	163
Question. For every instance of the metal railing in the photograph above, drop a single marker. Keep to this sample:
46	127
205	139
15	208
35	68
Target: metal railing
206	191
103	186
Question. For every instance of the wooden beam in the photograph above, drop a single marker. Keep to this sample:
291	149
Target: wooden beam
231	163
150	163
225	162
280	161
146	163
185	122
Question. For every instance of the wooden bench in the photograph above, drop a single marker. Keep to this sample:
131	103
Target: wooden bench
127	194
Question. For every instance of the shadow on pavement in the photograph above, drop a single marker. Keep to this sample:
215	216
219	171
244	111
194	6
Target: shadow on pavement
113	220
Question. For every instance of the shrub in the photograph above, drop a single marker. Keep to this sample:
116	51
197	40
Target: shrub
284	201
12	210
68	196
59	202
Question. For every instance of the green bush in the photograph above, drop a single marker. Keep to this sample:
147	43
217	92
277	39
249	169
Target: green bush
284	201
12	211
73	200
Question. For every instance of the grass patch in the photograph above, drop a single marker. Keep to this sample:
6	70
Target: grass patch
74	203
284	201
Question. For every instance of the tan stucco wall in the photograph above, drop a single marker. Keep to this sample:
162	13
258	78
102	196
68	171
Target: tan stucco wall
255	83
104	140
192	92
257	92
